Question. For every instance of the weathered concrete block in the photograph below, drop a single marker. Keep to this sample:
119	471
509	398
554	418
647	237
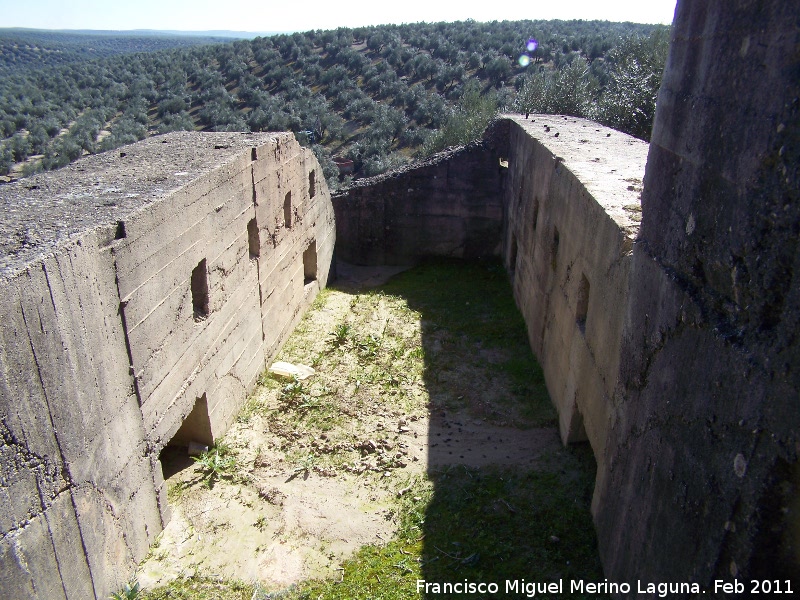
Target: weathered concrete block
144	297
705	441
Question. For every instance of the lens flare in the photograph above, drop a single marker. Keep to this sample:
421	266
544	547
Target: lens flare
524	60
532	45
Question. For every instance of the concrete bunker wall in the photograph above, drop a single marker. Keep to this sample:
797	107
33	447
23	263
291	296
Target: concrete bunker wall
706	445
448	206
572	205
77	484
174	283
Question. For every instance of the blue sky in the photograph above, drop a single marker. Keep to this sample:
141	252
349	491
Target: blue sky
288	15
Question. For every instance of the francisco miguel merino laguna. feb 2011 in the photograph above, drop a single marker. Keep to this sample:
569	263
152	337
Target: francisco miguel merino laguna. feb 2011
531	588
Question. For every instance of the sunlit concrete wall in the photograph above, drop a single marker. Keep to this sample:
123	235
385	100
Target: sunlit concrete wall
572	201
141	292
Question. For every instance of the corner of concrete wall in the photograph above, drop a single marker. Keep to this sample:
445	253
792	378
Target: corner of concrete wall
75	475
297	235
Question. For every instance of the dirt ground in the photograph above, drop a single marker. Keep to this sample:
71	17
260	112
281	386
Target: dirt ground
312	469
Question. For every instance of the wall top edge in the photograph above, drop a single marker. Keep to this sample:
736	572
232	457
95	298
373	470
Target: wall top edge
431	161
45	211
608	163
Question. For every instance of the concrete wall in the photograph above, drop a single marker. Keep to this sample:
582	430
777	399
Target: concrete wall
572	200
77	485
672	350
446	206
703	448
135	283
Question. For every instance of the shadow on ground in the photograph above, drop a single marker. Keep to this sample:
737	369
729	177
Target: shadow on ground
509	503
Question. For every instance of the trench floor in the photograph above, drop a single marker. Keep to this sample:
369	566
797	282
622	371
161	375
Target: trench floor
423	448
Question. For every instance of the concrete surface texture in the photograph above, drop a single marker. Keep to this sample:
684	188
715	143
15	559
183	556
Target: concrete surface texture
447	206
142	292
572	200
703	445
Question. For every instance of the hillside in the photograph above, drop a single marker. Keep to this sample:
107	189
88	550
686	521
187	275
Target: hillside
25	49
376	95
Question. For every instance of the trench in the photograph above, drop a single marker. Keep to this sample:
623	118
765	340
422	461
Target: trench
428	417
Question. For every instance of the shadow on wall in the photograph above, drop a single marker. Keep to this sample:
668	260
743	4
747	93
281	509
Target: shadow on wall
509	501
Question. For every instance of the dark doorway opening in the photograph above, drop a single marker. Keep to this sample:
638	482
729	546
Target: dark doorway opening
195	431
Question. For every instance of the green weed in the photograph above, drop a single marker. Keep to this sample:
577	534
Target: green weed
261	523
306	463
215	464
200	587
129	591
293	393
369	346
340	335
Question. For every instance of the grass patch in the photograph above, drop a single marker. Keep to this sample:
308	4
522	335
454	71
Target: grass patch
472	299
201	588
485	525
471	328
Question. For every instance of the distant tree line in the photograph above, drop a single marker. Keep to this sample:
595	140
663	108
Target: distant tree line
376	95
23	49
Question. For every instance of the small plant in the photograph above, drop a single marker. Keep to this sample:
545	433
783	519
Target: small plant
129	591
308	403
295	395
341	333
249	410
417	353
264	378
306	463
216	463
292	392
368	347
261	523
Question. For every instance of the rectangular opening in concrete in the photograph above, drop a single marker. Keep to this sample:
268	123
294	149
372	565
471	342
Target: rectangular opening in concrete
253	154
253	239
193	434
200	291
582	308
287	210
310	263
312	183
120	233
554	248
196	427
